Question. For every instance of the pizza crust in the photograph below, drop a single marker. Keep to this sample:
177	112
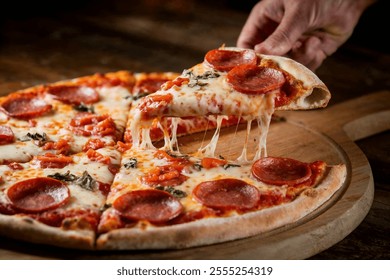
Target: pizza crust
217	230
203	231
315	93
27	229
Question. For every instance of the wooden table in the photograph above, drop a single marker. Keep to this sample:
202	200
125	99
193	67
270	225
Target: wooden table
52	44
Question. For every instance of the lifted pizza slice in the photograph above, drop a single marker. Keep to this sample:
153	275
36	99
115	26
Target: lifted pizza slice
231	82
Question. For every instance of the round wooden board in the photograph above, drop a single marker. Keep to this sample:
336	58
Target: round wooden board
307	136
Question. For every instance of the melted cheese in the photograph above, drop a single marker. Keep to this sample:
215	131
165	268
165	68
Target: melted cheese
207	92
211	96
55	125
170	141
209	149
129	179
80	197
114	102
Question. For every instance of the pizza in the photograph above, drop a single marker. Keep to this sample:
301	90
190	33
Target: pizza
97	162
233	82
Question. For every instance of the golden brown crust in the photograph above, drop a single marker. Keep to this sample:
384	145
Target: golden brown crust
216	230
313	94
155	75
27	229
124	78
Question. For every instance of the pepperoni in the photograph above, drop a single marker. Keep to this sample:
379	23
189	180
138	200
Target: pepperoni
15	166
208	162
281	171
38	194
62	146
75	95
25	106
98	157
94	144
166	175
123	147
104	188
149	85
179	81
53	161
227	194
154	105
113	168
161	154
152	205
83	119
225	60
253	79
6	135
91	124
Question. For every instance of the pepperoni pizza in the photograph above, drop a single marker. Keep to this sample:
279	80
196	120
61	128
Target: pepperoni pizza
95	162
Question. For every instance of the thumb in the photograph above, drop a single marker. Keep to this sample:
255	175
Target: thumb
284	37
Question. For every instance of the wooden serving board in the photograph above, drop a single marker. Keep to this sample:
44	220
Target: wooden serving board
325	134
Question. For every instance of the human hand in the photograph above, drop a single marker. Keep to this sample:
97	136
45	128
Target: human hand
305	30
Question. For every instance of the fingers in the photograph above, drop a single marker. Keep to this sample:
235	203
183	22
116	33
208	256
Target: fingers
248	36
282	40
309	53
276	29
253	31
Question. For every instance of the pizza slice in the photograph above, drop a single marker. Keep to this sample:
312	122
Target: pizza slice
64	117
232	82
160	200
148	83
57	199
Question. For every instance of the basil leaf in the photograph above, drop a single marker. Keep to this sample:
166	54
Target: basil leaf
175	192
132	163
